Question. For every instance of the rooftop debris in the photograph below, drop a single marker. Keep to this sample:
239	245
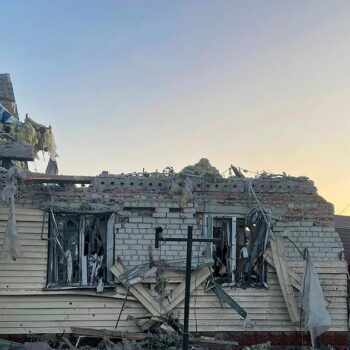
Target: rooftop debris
202	169
37	135
22	141
237	171
183	189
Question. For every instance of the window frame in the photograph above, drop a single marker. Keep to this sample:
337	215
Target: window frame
109	248
232	239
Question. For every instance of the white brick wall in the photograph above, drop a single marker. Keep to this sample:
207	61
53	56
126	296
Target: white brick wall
323	243
135	239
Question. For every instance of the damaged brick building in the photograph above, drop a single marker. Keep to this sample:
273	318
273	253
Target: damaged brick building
81	240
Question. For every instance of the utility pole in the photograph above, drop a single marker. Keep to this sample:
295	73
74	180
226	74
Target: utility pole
189	240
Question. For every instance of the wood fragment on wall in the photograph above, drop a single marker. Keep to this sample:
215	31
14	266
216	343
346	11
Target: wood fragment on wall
280	262
178	295
140	293
294	277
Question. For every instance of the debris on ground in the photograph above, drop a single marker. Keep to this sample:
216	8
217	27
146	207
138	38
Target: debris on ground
263	346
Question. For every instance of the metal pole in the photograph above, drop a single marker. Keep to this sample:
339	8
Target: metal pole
189	240
185	338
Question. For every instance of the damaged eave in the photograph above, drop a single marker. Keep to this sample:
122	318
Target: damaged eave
16	151
58	179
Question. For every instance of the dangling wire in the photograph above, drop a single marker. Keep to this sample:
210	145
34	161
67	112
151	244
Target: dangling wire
250	188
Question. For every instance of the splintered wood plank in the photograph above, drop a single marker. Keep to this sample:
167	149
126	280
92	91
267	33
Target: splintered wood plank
37	177
110	334
150	303
280	262
17	151
178	295
294	277
140	293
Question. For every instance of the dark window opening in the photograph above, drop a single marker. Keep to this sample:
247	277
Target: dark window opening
239	255
224	251
221	251
79	251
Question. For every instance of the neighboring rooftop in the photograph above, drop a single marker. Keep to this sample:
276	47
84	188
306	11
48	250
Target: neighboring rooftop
342	226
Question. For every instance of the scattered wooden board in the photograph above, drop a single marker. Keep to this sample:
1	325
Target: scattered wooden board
146	324
110	334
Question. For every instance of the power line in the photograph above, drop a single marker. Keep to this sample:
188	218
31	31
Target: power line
344	210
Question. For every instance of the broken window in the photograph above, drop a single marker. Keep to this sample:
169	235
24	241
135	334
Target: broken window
79	250
239	257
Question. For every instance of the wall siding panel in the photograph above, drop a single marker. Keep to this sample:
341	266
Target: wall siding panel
26	308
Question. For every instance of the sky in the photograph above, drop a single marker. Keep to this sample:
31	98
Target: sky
127	85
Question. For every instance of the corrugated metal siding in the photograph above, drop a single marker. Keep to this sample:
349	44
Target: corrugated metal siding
23	312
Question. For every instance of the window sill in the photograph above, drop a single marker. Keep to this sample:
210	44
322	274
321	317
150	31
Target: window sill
55	288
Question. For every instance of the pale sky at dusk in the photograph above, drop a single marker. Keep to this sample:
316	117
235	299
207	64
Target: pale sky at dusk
127	85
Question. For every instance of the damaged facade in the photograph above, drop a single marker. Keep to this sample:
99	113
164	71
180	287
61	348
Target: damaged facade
88	258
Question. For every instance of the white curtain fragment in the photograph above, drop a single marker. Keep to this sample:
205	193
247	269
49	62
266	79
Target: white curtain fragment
69	266
11	247
317	319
